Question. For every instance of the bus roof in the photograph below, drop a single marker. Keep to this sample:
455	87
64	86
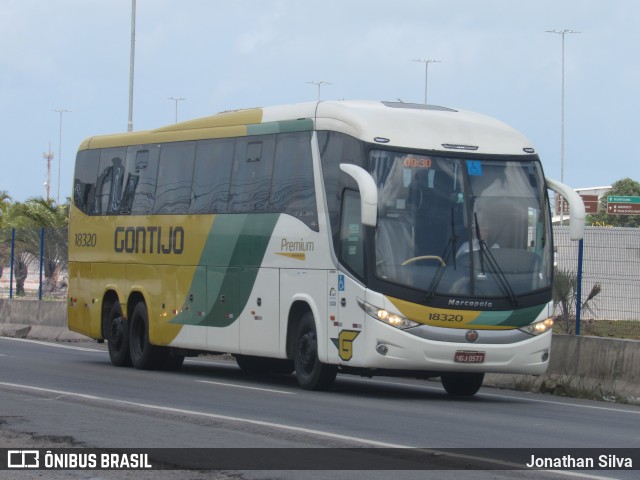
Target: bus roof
398	124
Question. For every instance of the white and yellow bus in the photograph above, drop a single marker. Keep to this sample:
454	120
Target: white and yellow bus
372	238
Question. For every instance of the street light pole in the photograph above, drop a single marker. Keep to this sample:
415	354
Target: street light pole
426	74
319	84
178	99
60	111
131	63
562	33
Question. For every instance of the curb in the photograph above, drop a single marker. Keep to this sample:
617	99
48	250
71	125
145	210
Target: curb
40	332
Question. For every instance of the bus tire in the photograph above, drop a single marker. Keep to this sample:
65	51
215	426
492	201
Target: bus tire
144	356
118	337
261	365
170	360
252	365
462	384
281	366
310	372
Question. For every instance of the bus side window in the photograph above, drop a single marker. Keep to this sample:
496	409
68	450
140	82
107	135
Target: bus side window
146	169
127	196
115	197
175	174
103	186
109	182
84	184
351	235
212	176
252	170
292	189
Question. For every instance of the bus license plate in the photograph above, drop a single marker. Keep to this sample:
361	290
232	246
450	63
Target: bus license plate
463	356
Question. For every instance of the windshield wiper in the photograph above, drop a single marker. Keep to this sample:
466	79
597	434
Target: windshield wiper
448	250
493	265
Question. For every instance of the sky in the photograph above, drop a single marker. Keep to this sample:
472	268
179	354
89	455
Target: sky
495	57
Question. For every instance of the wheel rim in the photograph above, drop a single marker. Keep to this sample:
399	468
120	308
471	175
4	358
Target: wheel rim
308	351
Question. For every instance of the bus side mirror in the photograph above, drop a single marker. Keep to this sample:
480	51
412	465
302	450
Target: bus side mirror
368	193
576	208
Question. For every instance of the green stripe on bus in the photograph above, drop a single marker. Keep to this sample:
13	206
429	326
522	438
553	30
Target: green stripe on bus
234	250
287	126
509	318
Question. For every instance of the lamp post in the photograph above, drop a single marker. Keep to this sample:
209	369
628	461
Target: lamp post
176	99
131	63
562	33
319	85
426	74
60	111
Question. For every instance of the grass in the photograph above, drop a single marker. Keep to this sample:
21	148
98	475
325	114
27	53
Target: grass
573	386
625	329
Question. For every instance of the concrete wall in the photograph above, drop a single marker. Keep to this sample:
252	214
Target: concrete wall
45	320
612	364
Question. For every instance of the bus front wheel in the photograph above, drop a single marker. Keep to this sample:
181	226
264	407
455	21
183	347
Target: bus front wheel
118	337
462	384
310	372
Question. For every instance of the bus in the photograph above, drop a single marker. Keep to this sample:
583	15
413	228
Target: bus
361	237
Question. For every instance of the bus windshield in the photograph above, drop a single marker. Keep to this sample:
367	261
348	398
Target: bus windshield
461	226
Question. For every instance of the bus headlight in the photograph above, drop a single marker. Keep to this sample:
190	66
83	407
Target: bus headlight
538	327
387	317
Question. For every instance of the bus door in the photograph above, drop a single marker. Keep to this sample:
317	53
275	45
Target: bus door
346	331
346	318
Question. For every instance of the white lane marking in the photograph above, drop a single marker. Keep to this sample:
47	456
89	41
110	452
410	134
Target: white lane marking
247	387
437	389
216	416
282	426
48	344
510	397
552	402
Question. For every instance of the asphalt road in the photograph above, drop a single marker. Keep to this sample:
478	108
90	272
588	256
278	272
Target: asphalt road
68	394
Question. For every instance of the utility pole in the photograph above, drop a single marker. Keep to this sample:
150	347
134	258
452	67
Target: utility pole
178	99
60	111
319	84
131	63
426	74
48	156
562	33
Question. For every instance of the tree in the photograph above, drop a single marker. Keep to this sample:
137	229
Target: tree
565	296
623	187
28	218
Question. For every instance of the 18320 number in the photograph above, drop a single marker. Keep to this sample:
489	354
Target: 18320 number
445	317
86	239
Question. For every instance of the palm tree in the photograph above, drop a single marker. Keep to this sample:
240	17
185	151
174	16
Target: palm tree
29	218
565	295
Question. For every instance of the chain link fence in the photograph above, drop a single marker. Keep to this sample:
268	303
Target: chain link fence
610	279
33	263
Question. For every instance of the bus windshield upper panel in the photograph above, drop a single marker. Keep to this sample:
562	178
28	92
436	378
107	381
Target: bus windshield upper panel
461	227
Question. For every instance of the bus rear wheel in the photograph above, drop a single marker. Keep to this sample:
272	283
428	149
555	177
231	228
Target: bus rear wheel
462	384
310	372
118	337
144	356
